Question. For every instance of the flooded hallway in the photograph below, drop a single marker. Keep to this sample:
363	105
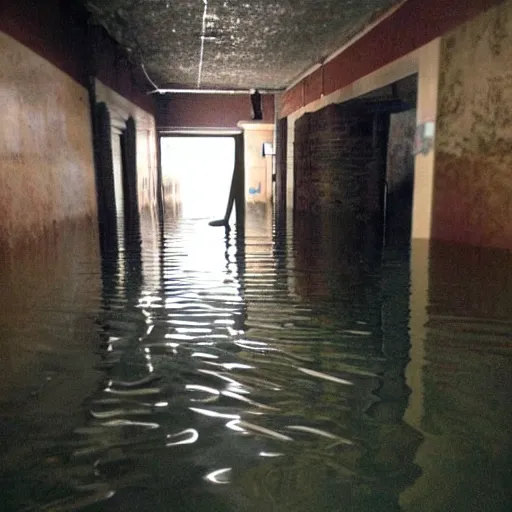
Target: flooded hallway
255	256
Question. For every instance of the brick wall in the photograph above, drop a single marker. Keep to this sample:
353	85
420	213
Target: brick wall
338	164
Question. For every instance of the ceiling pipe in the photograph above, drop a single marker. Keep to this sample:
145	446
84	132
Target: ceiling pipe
214	91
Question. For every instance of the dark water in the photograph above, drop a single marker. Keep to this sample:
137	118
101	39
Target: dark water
292	370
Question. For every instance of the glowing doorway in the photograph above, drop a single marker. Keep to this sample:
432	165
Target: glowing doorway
200	170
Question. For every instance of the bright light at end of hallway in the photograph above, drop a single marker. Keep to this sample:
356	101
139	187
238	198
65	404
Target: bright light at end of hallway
198	171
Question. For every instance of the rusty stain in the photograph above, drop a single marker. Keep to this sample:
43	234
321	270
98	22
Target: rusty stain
473	183
47	163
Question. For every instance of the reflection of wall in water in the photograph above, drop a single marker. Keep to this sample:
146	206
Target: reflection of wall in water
466	382
48	338
327	248
380	466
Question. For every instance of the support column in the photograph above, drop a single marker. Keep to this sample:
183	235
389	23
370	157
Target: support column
281	169
258	168
239	183
428	80
339	166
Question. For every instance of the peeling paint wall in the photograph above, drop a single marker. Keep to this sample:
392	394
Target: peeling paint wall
46	157
473	171
120	110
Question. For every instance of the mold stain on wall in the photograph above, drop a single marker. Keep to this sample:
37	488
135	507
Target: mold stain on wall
473	180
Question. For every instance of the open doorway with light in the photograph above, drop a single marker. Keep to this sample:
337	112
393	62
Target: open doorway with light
197	173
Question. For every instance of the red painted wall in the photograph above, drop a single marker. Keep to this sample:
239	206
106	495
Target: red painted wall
313	86
59	32
55	33
414	24
208	110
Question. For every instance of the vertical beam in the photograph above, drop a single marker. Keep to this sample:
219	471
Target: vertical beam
428	84
239	182
281	167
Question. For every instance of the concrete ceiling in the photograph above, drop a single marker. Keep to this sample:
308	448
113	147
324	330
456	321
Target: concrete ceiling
247	43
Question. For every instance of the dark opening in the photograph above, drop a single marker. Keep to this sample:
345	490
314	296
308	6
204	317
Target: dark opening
395	126
105	188
399	180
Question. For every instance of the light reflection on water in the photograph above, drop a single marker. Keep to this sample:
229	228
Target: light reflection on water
288	371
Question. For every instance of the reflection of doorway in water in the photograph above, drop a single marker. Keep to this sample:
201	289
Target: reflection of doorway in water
118	160
199	171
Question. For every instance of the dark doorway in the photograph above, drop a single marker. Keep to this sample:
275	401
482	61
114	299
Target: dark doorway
400	166
394	131
105	187
353	161
398	172
124	169
129	172
339	167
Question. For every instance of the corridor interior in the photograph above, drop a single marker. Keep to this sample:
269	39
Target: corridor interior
255	257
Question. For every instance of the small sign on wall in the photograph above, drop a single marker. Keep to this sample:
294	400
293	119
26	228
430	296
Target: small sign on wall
268	149
424	138
255	190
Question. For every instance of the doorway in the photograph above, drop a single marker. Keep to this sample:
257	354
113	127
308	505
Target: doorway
399	180
196	174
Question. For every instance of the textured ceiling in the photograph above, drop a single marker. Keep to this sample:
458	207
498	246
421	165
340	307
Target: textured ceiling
258	43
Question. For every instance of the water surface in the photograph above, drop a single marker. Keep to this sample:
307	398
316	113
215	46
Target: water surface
288	369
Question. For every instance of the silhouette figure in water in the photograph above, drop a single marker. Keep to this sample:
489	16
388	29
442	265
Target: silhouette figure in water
257	113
